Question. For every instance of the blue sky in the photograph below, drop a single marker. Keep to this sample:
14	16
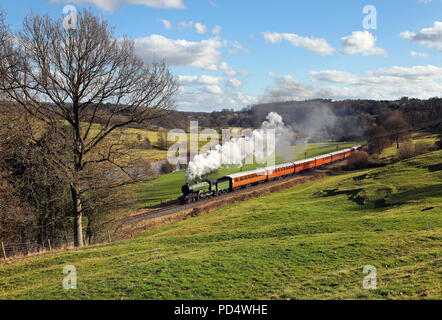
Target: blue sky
230	54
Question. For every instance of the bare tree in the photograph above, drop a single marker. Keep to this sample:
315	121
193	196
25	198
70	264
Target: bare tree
78	76
4	44
28	166
378	139
397	127
162	139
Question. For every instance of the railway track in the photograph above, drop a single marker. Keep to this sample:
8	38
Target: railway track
175	207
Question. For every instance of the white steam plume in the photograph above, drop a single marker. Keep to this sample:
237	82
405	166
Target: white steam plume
260	143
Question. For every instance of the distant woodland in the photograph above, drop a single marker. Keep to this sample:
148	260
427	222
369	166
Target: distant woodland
335	120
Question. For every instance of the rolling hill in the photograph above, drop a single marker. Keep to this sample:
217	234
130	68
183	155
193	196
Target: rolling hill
309	242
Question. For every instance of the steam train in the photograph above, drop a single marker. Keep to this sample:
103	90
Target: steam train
216	187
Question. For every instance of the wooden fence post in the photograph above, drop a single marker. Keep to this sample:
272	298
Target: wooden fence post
50	247
108	233
4	252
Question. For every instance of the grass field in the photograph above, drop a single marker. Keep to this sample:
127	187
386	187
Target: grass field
168	187
415	138
309	242
131	135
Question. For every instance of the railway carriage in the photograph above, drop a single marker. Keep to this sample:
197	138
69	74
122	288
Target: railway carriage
244	179
336	156
282	170
323	160
305	164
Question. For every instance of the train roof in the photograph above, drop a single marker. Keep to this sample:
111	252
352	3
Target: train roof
324	156
304	161
280	166
341	151
245	173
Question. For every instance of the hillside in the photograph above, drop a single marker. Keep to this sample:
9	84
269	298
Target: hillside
310	242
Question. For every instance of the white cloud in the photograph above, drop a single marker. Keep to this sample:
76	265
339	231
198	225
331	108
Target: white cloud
217	30
206	83
112	5
228	70
418	54
166	23
235	83
199	27
206	101
414	73
204	54
317	45
333	76
186	24
386	83
286	88
238	48
198	80
214	89
204	93
430	37
361	42
213	3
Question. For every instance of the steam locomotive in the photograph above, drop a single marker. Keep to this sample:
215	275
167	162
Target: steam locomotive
213	188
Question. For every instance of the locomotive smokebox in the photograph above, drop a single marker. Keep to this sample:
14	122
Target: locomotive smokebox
186	189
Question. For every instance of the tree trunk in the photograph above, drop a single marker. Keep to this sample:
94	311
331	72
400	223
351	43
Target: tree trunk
89	234
76	210
52	210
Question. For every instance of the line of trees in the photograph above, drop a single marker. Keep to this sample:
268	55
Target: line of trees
60	81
